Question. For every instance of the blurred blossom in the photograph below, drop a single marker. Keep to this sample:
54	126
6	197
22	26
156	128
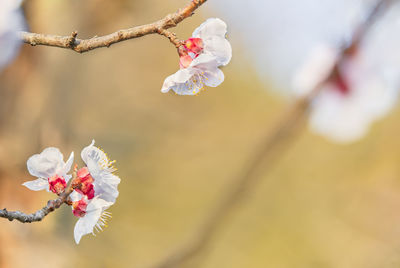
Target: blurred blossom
364	88
354	97
205	51
278	35
11	21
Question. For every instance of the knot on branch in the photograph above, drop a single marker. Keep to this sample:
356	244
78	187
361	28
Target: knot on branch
51	205
72	39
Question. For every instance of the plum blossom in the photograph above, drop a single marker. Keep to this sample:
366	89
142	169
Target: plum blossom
96	191
97	178
94	186
51	170
202	71
203	53
11	21
356	95
92	214
209	38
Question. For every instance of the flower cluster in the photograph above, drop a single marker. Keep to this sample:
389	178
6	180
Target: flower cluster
203	53
95	186
11	21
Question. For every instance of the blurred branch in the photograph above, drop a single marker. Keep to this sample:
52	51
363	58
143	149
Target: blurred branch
84	45
41	213
286	127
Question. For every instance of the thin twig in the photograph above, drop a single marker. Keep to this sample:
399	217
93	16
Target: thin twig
41	213
171	36
280	136
84	45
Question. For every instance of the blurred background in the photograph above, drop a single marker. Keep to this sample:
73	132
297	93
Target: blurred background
321	205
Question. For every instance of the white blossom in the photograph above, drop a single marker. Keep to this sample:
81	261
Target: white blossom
92	214
101	169
206	50
47	165
213	34
203	71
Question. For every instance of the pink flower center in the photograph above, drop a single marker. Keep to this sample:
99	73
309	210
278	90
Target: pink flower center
57	184
79	208
86	181
340	83
193	48
194	45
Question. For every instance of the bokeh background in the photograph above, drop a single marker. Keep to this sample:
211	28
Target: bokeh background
321	205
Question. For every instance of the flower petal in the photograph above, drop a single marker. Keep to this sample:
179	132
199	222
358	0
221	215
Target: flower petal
211	27
11	21
75	196
204	61
67	167
95	159
213	77
179	77
37	185
220	48
86	151
86	224
46	164
107	188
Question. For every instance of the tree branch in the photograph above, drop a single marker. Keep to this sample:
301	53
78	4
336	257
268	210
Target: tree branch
85	45
41	213
286	127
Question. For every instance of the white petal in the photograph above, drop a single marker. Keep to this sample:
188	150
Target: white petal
213	77
107	188
45	164
204	60
211	27
213	32
220	48
37	185
190	81
11	21
179	77
185	90
10	4
85	152
110	178
75	196
67	167
86	224
98	204
95	159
